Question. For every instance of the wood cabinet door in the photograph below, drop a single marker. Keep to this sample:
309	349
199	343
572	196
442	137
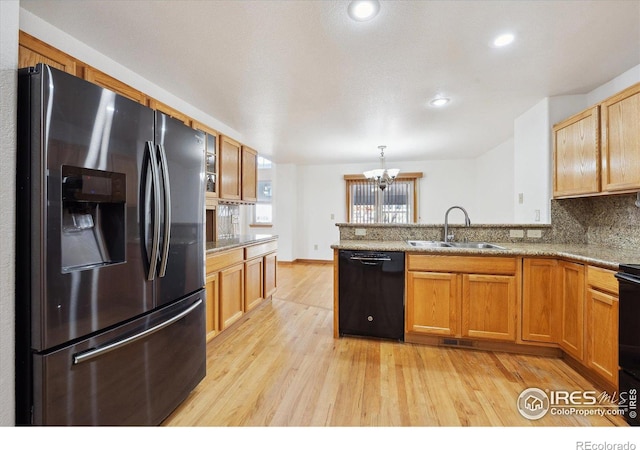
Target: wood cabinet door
540	300
253	283
270	274
211	308
249	175
169	111
621	141
32	51
231	295
230	169
489	306
117	86
576	155
432	305
572	308
602	334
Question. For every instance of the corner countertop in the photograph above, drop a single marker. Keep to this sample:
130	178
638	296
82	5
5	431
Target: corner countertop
606	257
238	241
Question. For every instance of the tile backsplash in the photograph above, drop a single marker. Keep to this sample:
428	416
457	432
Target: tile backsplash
228	221
611	220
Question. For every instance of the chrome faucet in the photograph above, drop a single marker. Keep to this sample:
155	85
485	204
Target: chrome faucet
467	222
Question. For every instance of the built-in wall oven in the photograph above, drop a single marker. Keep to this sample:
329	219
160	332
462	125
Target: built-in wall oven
629	339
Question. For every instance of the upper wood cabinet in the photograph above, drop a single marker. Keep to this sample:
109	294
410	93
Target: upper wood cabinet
117	86
32	51
169	111
230	169
621	141
249	175
597	152
577	155
211	161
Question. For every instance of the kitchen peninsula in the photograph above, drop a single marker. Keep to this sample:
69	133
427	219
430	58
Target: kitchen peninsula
528	295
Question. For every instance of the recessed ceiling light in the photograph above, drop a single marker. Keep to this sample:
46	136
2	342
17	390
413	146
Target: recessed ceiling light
439	101
503	40
363	10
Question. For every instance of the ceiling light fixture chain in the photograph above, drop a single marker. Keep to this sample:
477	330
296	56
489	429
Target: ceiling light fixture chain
382	177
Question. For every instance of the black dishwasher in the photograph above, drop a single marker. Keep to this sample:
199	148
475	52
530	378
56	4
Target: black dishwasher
371	294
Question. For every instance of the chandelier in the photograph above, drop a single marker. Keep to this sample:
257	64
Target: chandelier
382	177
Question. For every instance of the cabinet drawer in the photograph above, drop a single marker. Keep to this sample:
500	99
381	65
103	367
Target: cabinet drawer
260	249
463	264
602	279
219	261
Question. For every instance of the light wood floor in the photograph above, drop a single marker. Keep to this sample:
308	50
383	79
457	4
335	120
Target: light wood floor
282	367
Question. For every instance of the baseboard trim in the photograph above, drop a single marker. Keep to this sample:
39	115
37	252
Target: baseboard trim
305	261
589	374
473	344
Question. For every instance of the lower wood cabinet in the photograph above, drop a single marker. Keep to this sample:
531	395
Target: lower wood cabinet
540	300
270	274
237	281
444	300
602	323
253	283
571	283
575	306
212	305
489	306
231	295
433	303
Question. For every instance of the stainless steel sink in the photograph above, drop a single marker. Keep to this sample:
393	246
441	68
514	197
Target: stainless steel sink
442	244
483	245
428	244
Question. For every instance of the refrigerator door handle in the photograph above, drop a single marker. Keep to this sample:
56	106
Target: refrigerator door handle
153	260
167	211
93	353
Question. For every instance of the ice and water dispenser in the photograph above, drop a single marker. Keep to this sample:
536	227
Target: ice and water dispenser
93	218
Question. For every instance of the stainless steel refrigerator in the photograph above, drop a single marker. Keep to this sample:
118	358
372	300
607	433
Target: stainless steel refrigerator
110	326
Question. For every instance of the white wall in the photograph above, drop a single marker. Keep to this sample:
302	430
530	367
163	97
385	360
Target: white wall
494	190
531	161
285	210
320	193
9	11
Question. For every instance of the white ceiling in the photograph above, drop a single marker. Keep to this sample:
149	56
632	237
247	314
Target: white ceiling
303	83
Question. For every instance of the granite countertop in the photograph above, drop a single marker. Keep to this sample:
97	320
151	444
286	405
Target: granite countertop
238	241
606	257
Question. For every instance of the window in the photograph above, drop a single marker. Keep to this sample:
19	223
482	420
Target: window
263	209
366	203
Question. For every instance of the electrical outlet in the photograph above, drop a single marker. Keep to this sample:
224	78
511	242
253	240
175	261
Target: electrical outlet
521	198
534	233
315	247
361	232
333	216
537	214
516	233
